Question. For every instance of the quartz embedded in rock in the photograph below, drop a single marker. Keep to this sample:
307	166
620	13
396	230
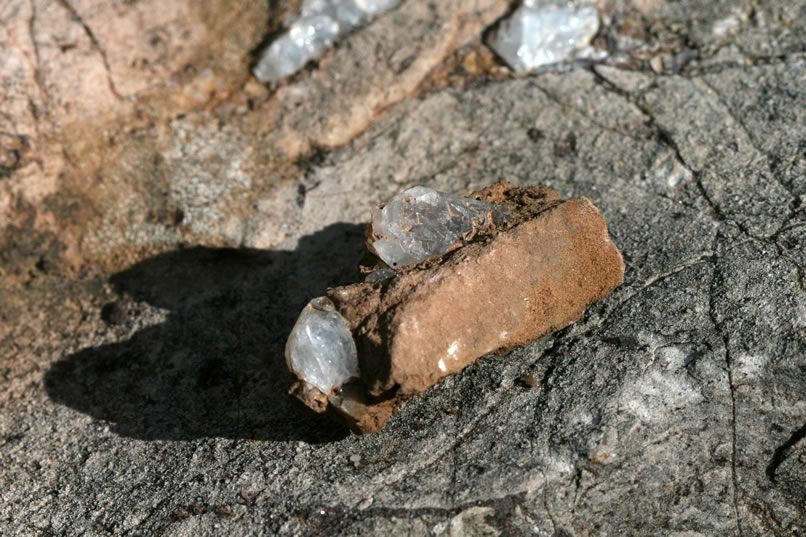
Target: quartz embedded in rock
420	223
320	24
320	349
512	284
537	35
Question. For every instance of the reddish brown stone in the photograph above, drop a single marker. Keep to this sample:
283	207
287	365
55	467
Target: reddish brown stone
510	286
529	381
309	396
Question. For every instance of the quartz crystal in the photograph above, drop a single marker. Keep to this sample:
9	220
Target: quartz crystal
320	349
541	34
420	222
320	24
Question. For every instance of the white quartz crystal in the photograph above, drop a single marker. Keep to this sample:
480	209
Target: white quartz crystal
420	222
539	34
305	40
320	24
320	349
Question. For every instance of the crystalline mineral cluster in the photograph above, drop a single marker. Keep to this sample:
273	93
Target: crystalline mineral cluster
320	24
454	279
420	222
539	34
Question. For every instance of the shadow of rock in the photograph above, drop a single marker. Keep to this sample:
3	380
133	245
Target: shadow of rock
216	366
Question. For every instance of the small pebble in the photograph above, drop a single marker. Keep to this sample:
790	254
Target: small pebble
528	380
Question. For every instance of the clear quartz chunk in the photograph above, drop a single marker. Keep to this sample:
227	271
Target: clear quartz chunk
320	24
420	222
541	34
320	349
305	40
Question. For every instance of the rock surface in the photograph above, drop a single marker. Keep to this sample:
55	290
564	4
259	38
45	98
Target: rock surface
151	400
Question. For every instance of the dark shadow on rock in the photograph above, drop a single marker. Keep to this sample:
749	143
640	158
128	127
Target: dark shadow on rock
215	367
782	451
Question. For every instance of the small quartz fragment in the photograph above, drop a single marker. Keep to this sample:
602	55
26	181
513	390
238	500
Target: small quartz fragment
320	349
306	39
539	34
320	24
533	264
420	223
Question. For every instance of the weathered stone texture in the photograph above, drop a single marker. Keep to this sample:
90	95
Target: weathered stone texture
152	401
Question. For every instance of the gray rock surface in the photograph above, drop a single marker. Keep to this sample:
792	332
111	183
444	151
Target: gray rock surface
150	400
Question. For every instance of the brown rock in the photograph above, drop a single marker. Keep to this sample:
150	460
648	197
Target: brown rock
529	381
504	290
